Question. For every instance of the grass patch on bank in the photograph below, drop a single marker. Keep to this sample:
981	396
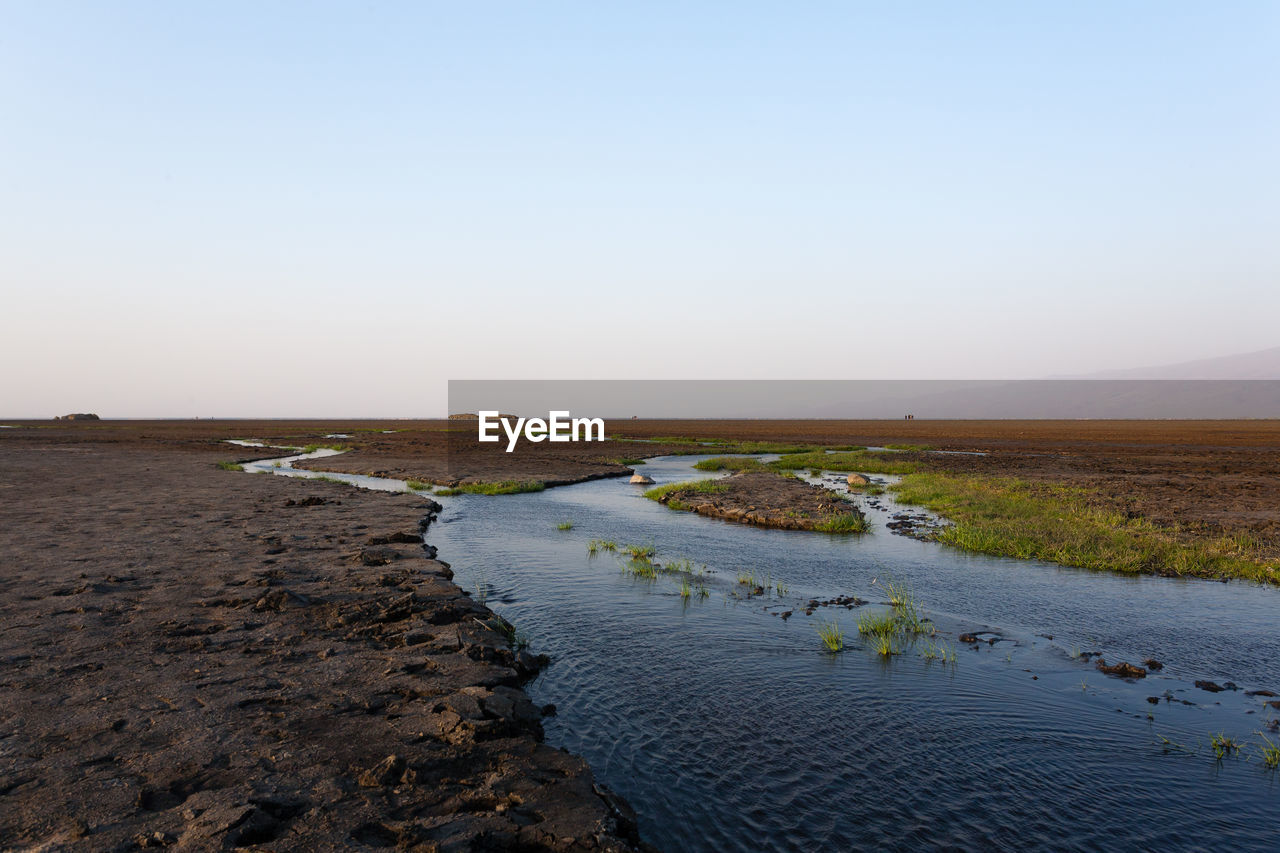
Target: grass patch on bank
657	493
1013	518
230	466
850	522
417	485
853	460
700	486
919	448
507	487
312	448
729	463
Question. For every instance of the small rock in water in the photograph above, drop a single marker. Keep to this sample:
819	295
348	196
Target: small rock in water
641	479
1210	686
1152	664
1122	669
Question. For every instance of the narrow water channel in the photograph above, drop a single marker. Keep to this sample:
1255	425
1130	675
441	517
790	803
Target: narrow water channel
729	727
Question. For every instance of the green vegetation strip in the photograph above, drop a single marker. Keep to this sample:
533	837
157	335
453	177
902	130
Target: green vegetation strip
846	523
729	463
701	486
507	487
856	460
1014	518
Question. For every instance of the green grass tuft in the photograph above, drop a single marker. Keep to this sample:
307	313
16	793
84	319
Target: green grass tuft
507	487
1223	746
850	522
230	466
657	493
831	634
565	525
1270	753
729	463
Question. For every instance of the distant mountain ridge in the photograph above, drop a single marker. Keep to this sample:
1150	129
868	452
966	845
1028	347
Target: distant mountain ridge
1263	364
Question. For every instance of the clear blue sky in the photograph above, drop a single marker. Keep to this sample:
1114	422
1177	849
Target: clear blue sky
331	208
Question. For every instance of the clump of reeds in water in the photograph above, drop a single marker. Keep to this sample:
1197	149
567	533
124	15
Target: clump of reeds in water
1223	746
1270	753
831	634
597	545
887	632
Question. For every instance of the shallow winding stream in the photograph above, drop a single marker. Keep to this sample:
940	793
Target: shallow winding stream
730	728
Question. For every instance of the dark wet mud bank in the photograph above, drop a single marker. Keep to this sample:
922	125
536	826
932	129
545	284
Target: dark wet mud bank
212	659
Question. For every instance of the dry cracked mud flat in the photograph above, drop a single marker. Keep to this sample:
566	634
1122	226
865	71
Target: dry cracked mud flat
203	659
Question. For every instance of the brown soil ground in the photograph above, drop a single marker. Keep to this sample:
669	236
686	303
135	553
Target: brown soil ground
764	498
203	659
1208	477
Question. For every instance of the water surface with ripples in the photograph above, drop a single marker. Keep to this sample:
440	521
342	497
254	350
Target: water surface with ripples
731	728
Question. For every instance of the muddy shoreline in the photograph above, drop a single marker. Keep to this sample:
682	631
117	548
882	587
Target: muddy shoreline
207	659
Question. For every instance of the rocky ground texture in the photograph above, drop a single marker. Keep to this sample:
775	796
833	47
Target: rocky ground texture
204	659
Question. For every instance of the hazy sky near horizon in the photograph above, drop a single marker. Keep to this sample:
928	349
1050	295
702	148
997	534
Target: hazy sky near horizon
326	209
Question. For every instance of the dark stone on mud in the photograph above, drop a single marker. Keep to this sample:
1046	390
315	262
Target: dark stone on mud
400	537
378	555
386	772
1210	686
1152	664
309	500
1121	670
278	598
154	839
